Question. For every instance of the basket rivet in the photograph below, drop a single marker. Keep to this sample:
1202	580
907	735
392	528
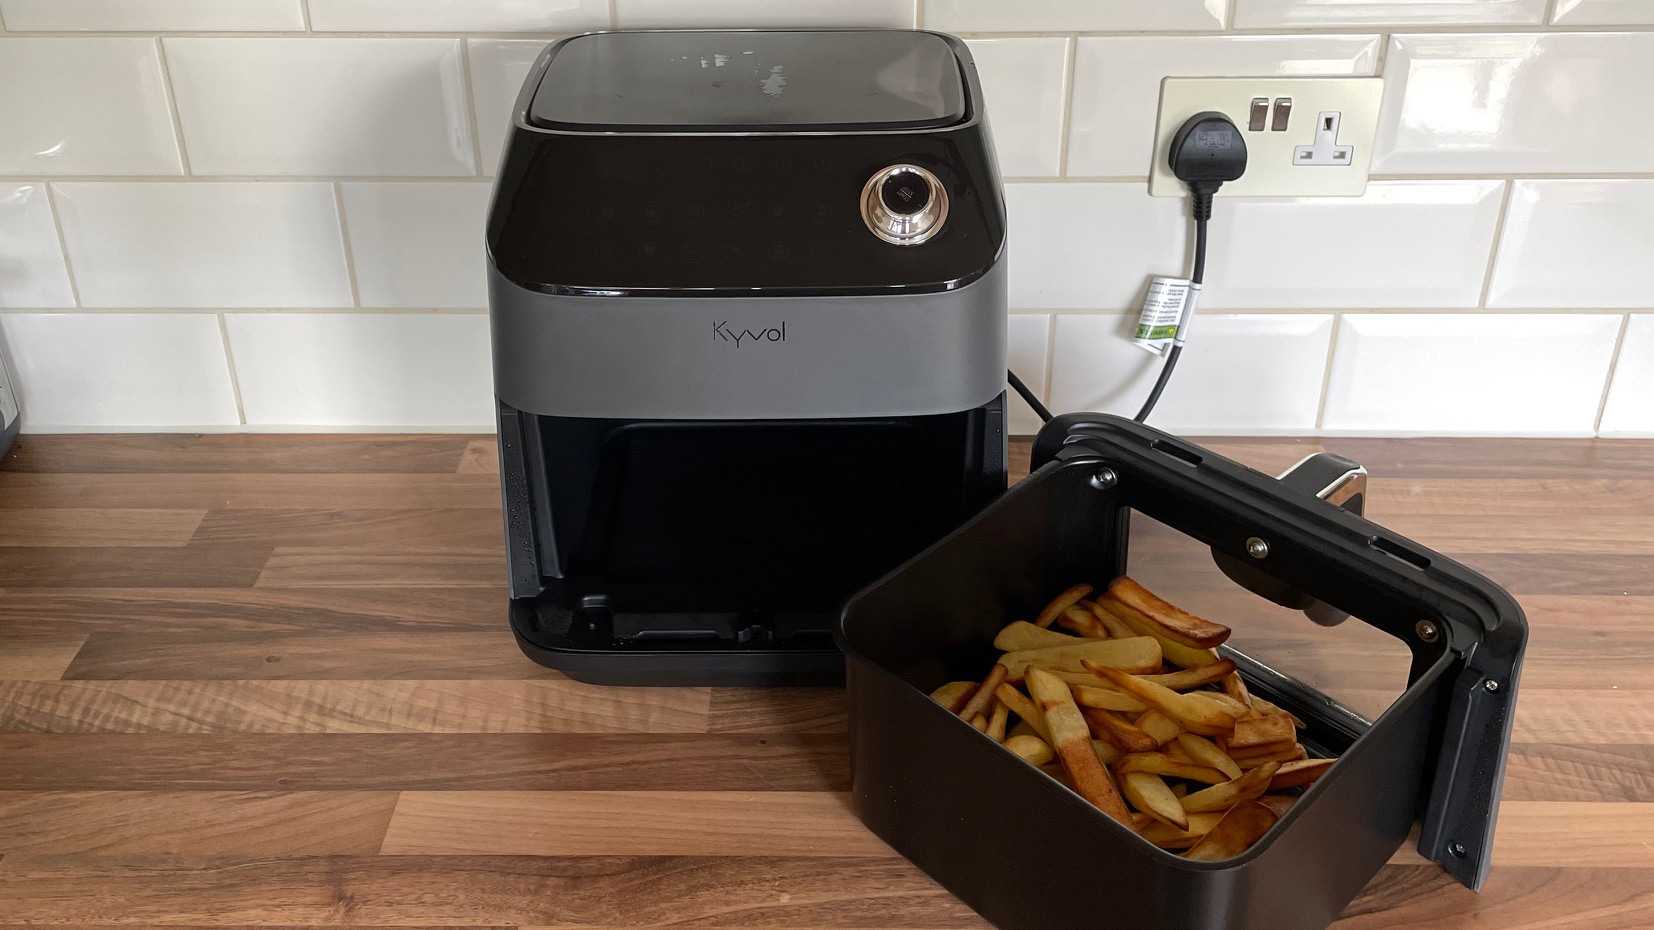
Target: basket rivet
1104	479
1458	850
1491	685
1256	548
1427	631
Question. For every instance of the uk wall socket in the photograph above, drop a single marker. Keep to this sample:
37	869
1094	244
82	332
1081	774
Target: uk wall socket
1305	137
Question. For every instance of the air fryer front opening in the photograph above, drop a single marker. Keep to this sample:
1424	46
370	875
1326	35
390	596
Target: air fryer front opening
709	536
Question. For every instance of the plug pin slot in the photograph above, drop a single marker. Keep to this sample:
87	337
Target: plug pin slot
1283	114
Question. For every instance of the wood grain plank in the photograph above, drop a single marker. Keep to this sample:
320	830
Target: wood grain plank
808	893
387	491
79	527
219	453
373	530
534	706
1599	717
1424	898
1510	499
1498	458
1571	533
481	456
337	657
613	761
1563	573
1576	772
628	823
200	823
212	611
1566	834
190	566
349	567
771	710
31	658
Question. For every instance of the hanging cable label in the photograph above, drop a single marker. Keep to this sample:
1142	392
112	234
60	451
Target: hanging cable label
1167	310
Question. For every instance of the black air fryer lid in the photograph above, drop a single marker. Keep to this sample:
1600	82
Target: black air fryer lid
741	81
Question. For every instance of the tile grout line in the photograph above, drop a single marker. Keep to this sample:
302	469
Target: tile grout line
1498	242
1022	179
1549	19
1326	373
62	245
918	14
1298	32
1229	14
304	14
614	13
471	107
172	107
1067	121
197	311
1613	368
229	360
344	239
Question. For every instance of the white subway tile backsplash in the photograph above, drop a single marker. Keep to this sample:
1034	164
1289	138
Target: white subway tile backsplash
1402	244
1072	15
1025	82
32	273
1575	244
1524	374
1258	373
1029	339
1515	102
204	244
1630	409
120	370
1093	246
498	68
180	15
1085	246
1300	14
458	15
333	106
84	106
1603	12
418	244
363	369
746	14
1117	84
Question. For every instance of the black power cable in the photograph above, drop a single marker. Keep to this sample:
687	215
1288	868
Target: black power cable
1027	395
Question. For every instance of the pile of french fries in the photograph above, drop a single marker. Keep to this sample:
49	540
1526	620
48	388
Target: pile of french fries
1189	759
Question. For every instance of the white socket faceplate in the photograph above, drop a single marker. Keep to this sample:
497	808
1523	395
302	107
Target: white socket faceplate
1270	167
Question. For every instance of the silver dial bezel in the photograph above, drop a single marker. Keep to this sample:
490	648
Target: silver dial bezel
904	229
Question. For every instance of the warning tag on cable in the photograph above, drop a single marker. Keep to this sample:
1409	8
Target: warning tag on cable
1166	313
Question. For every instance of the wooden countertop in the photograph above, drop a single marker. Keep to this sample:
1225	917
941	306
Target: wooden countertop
266	680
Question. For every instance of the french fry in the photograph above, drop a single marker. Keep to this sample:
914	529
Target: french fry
1164	729
1024	708
1032	749
1206	752
1137	654
1169	837
1082	623
1149	794
1263	730
1106	699
1062	602
1245	788
1245	824
980	701
954	694
1195	715
1185	679
1179	654
1235	687
1058	773
1072	741
980	722
1230	706
1299	773
1281	756
1022	728
1279	803
1264	706
1179	624
1106	753
1180	789
1114	625
1158	763
1022	635
997	720
1176	752
1123	735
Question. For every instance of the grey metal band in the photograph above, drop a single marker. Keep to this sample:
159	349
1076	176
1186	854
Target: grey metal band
749	357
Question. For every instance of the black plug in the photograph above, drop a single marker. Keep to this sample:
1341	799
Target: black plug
1206	151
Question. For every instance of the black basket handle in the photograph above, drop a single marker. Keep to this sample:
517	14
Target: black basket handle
1484	629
